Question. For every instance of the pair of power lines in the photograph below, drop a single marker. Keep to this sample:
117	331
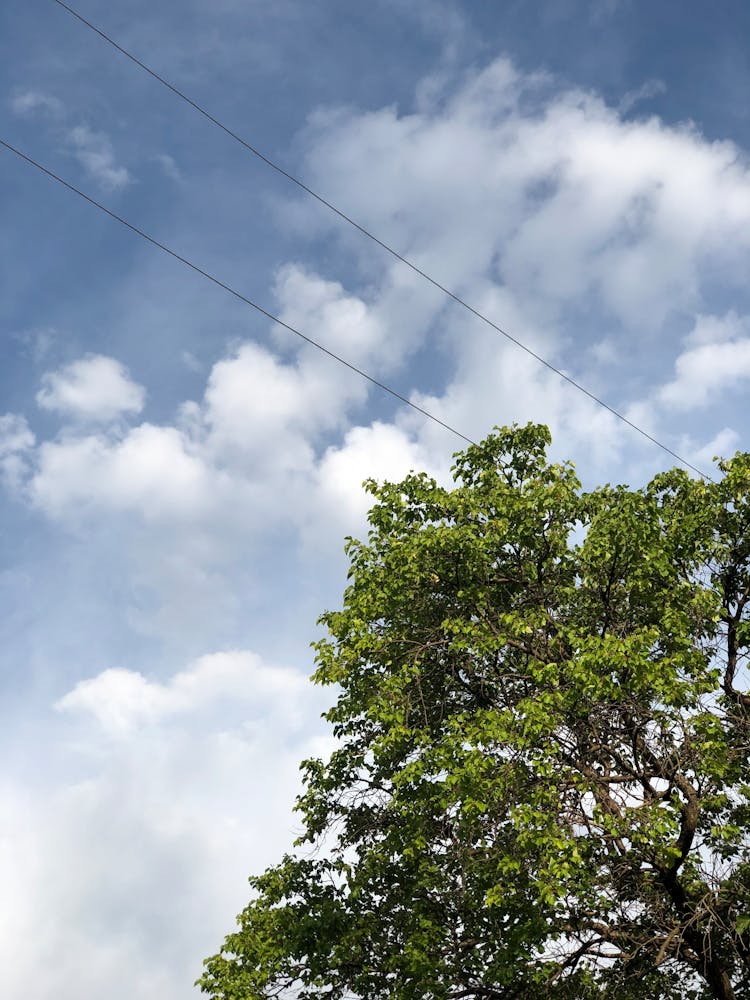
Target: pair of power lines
344	217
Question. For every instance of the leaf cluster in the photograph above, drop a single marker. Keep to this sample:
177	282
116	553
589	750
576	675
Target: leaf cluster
541	782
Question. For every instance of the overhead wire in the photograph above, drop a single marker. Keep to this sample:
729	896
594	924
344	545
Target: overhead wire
232	291
371	236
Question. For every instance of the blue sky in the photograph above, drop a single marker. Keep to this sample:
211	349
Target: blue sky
177	476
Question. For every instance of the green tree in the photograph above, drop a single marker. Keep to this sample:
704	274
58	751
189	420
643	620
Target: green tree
540	787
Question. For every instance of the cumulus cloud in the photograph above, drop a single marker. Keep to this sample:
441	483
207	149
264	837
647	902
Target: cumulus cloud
151	471
254	434
348	325
122	700
337	503
120	878
554	194
94	152
95	388
722	445
716	359
255	404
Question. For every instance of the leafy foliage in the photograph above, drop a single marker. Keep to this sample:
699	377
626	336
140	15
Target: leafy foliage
541	784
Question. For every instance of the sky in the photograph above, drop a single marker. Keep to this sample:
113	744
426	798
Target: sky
178	475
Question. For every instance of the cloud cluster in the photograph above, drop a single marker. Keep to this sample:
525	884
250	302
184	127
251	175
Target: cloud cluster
259	438
715	360
555	195
94	388
556	201
121	879
573	228
94	152
93	149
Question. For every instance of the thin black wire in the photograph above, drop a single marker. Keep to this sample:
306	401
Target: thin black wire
232	291
366	232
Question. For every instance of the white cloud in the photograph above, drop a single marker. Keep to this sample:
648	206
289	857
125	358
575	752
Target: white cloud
119	699
190	361
337	504
722	445
254	434
344	323
255	405
647	90
16	441
95	388
151	471
554	193
15	434
169	165
717	359
94	152
26	102
92	149
121	876
122	700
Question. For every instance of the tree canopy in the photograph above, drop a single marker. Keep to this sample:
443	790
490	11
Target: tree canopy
541	785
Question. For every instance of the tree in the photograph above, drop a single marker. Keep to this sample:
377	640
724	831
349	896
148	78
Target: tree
541	782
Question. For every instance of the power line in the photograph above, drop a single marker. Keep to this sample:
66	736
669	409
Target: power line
232	291
366	232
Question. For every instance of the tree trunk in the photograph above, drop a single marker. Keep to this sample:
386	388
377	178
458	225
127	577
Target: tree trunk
718	980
